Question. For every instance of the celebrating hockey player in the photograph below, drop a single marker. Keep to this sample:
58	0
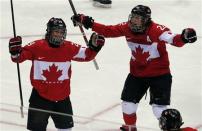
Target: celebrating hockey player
149	63
51	73
171	120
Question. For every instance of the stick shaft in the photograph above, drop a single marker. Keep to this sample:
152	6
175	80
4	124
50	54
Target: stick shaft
18	67
83	33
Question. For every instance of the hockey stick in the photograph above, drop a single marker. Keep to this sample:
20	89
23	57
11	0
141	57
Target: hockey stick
83	33
18	67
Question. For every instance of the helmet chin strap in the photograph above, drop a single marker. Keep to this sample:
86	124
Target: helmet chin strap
53	42
56	40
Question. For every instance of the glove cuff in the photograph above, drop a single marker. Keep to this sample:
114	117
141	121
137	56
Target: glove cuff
94	48
15	56
88	22
183	39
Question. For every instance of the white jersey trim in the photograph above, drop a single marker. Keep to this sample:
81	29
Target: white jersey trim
167	36
81	53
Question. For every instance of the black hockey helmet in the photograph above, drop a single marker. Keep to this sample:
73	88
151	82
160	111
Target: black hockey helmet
56	24
144	14
170	120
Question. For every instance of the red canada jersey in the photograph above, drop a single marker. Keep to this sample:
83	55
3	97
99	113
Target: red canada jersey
148	50
188	129
51	67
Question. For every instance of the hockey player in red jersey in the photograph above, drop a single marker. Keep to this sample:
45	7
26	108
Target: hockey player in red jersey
51	73
171	120
149	63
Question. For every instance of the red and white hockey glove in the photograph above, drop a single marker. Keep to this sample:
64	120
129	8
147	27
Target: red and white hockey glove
15	45
96	42
81	19
189	35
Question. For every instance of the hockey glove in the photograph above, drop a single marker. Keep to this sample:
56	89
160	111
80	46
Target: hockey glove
81	19
96	42
188	35
15	45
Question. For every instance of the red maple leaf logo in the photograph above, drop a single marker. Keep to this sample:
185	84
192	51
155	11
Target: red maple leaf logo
52	74
140	56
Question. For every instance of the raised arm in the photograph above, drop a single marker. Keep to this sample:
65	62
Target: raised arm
18	53
106	30
94	46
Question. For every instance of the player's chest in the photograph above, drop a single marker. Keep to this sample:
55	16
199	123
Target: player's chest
140	39
52	55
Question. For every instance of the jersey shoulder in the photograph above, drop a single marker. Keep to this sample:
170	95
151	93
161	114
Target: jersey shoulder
71	47
123	25
188	129
157	28
36	43
124	28
71	44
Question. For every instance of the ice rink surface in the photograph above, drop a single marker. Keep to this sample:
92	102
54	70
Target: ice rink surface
95	94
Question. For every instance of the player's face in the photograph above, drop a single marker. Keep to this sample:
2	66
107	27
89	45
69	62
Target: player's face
58	33
136	20
136	23
57	36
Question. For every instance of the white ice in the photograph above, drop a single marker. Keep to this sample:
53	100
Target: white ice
95	94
